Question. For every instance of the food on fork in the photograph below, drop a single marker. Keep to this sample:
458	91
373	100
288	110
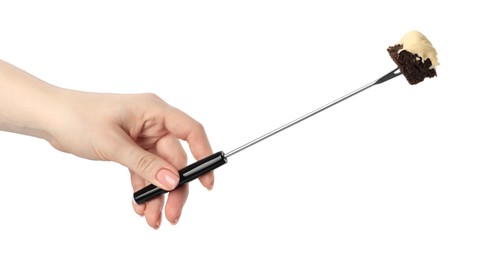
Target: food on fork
415	56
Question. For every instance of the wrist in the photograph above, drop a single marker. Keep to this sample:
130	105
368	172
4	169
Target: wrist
31	114
25	102
42	112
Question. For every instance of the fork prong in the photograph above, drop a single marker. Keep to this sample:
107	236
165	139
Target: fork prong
388	76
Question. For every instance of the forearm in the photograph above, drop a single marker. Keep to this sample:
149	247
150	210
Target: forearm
25	102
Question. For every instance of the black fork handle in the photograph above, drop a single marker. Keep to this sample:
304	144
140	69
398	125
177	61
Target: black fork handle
187	174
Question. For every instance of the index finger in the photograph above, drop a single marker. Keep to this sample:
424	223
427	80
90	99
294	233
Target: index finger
188	129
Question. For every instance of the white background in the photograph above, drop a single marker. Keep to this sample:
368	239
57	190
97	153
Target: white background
396	172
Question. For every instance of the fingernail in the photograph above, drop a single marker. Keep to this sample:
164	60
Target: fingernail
210	187
175	221
167	178
157	224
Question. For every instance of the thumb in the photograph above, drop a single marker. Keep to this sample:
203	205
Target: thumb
149	166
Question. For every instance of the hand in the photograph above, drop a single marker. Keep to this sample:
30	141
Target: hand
139	131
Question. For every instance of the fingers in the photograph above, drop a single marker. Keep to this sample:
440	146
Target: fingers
171	150
137	184
207	180
186	128
149	166
175	203
153	212
160	166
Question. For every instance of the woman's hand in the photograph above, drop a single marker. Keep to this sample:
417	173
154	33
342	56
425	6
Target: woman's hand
139	131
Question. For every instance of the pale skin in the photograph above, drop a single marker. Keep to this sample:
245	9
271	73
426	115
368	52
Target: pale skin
138	131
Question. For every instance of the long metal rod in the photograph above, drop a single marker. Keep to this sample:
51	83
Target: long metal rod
386	77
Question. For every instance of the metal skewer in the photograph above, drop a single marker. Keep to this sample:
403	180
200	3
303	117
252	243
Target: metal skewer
212	162
386	77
